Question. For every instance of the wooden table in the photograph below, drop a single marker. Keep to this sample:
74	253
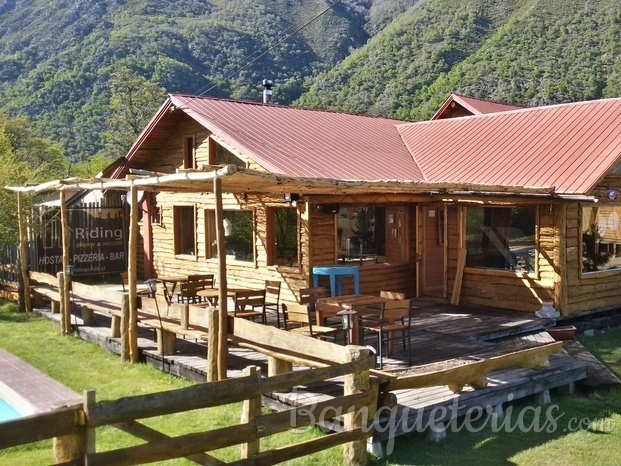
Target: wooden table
330	307
172	281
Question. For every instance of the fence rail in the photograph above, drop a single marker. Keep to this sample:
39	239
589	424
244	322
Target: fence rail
74	426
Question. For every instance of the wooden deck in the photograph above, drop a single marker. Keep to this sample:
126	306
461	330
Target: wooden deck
440	332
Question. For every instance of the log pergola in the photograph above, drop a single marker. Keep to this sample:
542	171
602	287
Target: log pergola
234	180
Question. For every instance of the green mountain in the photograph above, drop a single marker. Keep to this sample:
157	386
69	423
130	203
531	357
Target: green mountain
57	58
397	58
530	52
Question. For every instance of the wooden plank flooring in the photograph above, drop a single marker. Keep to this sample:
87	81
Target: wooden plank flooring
439	332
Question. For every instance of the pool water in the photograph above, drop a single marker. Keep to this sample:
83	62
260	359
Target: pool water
7	413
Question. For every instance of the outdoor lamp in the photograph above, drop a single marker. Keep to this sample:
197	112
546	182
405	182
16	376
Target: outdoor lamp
348	318
152	286
69	270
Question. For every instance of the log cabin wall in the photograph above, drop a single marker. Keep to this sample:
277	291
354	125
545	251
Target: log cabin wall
504	289
594	290
239	273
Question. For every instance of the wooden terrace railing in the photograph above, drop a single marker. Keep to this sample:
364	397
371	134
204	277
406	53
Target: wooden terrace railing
74	427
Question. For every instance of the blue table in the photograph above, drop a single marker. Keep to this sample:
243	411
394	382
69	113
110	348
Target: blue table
336	274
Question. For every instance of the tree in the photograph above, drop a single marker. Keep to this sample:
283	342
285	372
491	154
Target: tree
24	158
133	102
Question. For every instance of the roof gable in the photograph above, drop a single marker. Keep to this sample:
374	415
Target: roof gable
457	106
306	143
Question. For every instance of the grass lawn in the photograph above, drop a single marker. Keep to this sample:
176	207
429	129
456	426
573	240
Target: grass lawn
81	366
585	429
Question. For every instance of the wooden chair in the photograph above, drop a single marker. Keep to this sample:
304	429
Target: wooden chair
384	294
195	283
297	319
247	301
309	296
272	298
394	316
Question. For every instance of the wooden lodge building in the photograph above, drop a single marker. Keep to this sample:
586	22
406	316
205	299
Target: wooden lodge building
530	194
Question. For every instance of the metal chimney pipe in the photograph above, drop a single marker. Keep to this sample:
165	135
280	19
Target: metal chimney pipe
268	94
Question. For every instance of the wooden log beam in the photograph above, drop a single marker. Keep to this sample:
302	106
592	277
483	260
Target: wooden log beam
222	283
355	452
125	334
279	341
23	255
64	328
57	423
212	394
263	426
132	266
212	344
148	434
251	410
65	288
475	373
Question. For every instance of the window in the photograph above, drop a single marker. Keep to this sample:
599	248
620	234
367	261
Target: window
601	238
501	238
283	236
362	234
221	156
189	152
238	235
184	230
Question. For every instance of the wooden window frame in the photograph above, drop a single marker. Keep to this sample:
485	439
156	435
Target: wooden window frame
535	274
271	239
177	232
596	273
189	151
210	212
403	232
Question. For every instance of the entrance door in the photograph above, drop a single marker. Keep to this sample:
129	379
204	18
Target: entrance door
432	254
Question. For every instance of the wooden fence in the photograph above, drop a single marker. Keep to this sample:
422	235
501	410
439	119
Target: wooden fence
9	273
73	427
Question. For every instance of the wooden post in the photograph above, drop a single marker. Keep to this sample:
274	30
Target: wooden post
132	260
64	289
115	326
23	254
461	263
355	453
64	329
90	397
250	411
560	258
68	449
222	286
212	345
277	366
125	351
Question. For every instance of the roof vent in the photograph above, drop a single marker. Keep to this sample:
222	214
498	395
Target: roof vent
268	94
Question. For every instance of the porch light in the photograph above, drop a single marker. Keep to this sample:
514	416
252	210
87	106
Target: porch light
348	318
151	286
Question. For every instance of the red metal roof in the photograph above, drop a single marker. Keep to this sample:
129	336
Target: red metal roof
569	147
473	105
306	143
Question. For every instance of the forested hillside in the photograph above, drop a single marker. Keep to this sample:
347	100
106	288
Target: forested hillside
57	58
397	58
520	51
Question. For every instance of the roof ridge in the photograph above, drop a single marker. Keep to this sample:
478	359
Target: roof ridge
488	101
500	114
291	107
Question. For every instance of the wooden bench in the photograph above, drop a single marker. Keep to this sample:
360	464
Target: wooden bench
173	320
41	293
